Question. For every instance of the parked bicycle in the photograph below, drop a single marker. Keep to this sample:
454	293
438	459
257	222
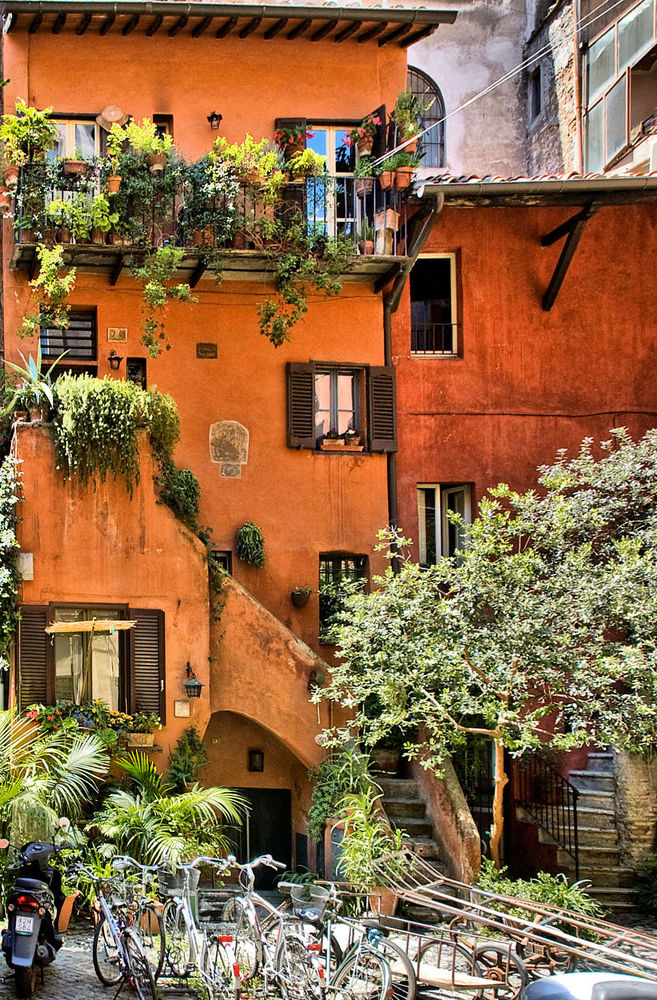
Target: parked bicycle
142	912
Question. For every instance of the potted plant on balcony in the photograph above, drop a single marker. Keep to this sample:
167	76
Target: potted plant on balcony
75	164
306	164
142	729
71	218
25	136
116	140
300	596
366	239
387	173
291	139
102	218
363	135
405	166
251	162
406	117
34	392
146	141
365	173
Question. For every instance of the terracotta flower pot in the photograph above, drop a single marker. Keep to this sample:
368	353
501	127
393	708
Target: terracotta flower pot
383	901
156	162
364	145
403	177
76	168
113	183
386	219
386	179
10	175
364	186
38	414
410	145
366	247
98	237
6	200
63	235
66	911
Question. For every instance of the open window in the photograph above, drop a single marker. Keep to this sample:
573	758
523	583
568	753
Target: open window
434	317
438	536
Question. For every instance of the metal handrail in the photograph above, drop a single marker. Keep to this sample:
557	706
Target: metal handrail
550	800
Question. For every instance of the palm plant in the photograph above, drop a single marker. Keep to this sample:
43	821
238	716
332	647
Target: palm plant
153	824
44	775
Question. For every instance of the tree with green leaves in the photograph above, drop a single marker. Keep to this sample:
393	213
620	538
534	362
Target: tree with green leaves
542	630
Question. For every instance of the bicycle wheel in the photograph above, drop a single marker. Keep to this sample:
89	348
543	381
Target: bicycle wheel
105	955
178	946
149	928
138	972
500	964
448	969
364	975
297	977
218	973
402	973
247	940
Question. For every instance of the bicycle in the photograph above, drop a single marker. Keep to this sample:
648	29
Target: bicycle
118	956
145	915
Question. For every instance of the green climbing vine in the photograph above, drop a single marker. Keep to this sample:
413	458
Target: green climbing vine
10	497
156	275
49	293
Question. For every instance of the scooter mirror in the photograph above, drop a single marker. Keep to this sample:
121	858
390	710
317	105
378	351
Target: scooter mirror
3	843
64	823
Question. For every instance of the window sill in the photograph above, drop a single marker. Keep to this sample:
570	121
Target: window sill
429	356
339	448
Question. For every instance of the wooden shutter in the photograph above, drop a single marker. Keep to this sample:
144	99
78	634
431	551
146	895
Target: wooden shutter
147	662
382	409
300	405
33	673
381	138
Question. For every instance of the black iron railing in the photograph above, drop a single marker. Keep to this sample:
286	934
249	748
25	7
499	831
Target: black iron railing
434	338
550	800
168	208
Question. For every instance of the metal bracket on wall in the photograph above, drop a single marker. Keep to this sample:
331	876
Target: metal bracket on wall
573	229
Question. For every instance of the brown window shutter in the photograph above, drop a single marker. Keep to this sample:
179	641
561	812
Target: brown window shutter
300	405
147	692
382	409
33	674
292	123
381	138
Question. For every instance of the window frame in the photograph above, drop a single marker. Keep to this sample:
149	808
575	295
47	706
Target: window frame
442	491
69	121
457	351
426	120
121	613
357	393
335	557
70	360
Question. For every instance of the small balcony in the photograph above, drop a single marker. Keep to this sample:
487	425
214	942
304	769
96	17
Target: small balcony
234	235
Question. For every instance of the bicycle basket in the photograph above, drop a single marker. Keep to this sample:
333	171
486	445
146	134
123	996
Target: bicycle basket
309	898
171	883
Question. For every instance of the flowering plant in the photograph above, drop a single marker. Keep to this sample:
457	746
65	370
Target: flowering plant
119	721
366	129
291	135
50	717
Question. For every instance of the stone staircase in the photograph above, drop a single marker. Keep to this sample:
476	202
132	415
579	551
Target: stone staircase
599	851
406	809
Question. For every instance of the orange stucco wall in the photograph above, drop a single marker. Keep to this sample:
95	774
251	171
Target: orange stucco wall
99	546
529	382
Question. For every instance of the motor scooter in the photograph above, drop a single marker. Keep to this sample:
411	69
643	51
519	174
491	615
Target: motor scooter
591	986
34	903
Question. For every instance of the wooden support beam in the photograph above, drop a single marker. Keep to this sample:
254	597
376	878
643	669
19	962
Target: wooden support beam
202	26
34	267
59	23
326	29
372	32
563	229
131	25
107	24
82	26
347	32
154	26
198	271
275	28
416	36
385	279
117	267
175	28
575	230
226	27
398	32
299	30
249	28
35	24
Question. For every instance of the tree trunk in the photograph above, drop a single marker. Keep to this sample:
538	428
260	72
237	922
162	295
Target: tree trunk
501	779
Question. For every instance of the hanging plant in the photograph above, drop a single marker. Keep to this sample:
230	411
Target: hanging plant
156	274
49	293
9	577
249	544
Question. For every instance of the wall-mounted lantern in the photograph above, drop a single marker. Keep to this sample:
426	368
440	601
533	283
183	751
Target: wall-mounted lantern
256	760
192	686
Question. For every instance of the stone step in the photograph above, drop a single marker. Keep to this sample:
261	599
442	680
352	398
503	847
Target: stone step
399	788
614	897
589	798
602	761
426	847
589	836
404	807
607	876
596	818
590	857
414	826
592	780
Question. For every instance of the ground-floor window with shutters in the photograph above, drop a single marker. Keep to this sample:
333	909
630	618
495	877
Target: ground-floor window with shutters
123	668
327	402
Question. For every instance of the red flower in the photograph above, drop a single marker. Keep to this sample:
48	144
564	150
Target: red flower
50	718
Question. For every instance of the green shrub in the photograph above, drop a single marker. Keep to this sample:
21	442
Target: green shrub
545	888
344	772
179	490
186	760
249	544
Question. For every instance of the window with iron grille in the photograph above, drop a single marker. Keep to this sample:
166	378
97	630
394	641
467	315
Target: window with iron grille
434	326
335	570
79	339
432	117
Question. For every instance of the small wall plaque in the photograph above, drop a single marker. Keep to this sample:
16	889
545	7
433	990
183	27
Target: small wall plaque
206	350
117	334
181	709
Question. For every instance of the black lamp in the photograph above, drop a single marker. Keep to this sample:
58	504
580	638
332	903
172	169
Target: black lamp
192	686
114	360
214	120
256	760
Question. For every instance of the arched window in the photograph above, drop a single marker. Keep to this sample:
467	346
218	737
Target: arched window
432	110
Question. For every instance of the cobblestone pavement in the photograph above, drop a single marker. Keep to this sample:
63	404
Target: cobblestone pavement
71	976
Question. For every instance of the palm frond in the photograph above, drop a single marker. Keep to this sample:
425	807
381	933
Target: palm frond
143	774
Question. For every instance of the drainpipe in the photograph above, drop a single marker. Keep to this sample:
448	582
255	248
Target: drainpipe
577	95
431	209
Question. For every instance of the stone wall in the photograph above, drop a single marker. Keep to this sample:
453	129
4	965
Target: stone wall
636	807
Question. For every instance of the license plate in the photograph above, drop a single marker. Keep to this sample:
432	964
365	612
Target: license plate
24	925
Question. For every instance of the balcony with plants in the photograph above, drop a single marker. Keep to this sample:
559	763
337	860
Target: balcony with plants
237	210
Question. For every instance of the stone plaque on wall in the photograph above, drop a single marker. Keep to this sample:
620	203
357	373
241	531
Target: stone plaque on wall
206	350
229	447
117	334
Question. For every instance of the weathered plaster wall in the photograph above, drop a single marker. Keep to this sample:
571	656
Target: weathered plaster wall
552	140
636	807
98	545
464	58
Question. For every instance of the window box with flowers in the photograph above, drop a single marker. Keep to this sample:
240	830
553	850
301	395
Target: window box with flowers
291	137
362	137
142	729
